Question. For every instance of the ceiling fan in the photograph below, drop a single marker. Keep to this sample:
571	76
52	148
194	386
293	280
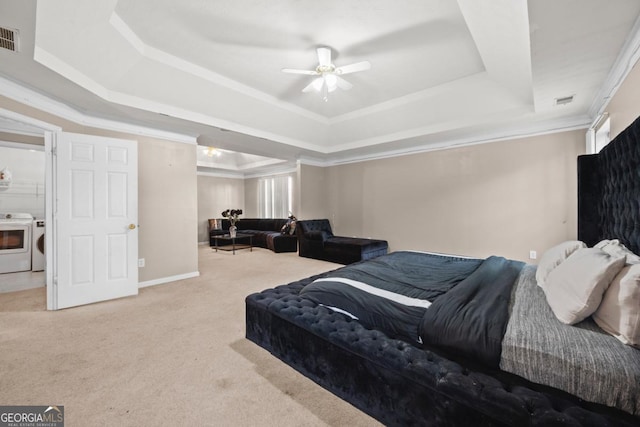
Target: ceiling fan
328	74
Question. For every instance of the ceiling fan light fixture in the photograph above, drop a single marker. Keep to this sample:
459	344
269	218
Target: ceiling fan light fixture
328	75
332	82
318	83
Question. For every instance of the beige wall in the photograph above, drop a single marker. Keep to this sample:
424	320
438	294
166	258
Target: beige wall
624	107
167	192
312	193
23	139
503	198
214	196
168	198
251	207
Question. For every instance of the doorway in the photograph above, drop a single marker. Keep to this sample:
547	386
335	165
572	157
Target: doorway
91	189
22	215
28	128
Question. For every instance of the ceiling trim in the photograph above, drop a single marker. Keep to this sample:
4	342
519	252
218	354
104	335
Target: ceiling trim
626	60
567	125
180	64
44	103
217	174
62	68
273	172
30	121
303	160
281	170
506	131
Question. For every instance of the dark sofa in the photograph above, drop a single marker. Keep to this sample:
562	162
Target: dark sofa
316	240
266	233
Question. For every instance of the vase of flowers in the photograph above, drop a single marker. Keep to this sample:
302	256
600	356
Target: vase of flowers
233	215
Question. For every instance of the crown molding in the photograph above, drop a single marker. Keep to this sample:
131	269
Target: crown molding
217	174
20	118
505	134
627	58
545	128
177	63
302	160
74	75
44	103
273	172
286	169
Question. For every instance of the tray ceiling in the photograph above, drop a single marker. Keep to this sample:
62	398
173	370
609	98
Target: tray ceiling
442	71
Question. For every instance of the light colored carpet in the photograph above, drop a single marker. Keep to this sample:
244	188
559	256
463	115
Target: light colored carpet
173	355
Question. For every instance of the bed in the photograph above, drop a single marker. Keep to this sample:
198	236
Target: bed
406	371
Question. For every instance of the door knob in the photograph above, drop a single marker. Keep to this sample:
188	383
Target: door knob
132	226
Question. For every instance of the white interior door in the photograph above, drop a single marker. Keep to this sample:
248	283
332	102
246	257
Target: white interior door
95	219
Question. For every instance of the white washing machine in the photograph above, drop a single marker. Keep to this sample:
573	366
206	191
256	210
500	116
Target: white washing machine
37	248
15	242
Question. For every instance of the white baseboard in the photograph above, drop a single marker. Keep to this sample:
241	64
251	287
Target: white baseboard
168	279
12	282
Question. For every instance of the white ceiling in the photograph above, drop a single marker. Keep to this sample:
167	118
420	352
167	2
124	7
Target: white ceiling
443	72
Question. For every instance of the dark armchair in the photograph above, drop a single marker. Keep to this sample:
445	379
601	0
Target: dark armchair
316	240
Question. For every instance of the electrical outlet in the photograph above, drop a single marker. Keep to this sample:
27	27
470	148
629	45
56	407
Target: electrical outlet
533	255
141	262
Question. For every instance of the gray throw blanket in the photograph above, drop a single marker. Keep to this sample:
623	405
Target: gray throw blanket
581	359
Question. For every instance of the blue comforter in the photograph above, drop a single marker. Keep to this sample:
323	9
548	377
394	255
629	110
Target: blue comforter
457	304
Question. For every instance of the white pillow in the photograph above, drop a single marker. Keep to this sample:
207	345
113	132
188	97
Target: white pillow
554	256
602	243
619	312
616	249
574	289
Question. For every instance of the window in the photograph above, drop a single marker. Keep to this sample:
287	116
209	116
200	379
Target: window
275	197
602	135
598	134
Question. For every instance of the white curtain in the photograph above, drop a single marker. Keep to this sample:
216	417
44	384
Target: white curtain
275	197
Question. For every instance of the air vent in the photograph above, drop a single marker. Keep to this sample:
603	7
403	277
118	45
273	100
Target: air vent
9	39
564	100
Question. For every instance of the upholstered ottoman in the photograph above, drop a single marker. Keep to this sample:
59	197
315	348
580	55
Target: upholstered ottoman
352	249
316	240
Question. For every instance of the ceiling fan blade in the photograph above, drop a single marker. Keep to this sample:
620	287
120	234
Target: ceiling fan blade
324	56
316	85
343	84
352	68
305	72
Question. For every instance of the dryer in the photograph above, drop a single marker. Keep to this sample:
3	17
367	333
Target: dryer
37	248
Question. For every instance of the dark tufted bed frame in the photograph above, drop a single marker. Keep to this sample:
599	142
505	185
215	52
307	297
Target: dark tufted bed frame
609	191
399	384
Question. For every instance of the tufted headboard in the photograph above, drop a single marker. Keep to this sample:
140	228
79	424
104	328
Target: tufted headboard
609	191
